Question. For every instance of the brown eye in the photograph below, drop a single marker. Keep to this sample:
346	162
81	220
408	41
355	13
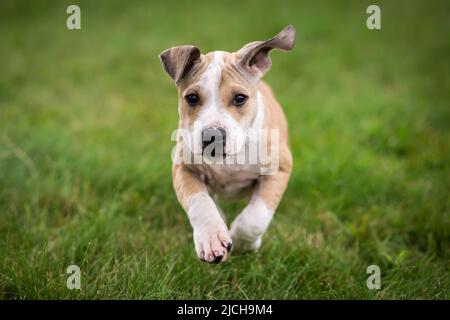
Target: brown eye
192	99
239	99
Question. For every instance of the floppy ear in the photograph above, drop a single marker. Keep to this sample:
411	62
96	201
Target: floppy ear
254	57
177	61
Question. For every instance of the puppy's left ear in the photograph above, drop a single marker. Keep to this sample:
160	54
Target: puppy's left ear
254	57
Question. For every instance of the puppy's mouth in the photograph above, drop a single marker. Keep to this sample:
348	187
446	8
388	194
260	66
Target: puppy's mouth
214	150
218	155
213	143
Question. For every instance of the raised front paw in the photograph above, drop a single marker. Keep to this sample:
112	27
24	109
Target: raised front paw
212	243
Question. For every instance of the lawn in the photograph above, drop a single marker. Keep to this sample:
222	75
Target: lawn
85	169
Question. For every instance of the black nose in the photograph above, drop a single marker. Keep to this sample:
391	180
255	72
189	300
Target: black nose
216	136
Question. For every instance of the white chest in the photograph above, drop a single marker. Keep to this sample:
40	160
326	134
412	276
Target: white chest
230	180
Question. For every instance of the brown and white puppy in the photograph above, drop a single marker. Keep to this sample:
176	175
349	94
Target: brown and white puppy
222	99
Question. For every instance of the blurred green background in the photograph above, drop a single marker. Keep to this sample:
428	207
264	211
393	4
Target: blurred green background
85	124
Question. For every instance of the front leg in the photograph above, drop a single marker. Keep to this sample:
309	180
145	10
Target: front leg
211	237
249	226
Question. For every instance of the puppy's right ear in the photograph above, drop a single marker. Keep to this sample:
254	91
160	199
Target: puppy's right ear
177	61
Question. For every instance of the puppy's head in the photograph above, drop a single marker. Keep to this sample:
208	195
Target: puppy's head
218	96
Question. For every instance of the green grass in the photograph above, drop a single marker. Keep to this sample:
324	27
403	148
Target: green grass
85	124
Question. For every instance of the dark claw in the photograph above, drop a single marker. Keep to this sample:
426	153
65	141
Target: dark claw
217	259
202	258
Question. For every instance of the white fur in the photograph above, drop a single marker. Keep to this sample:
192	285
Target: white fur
261	113
249	226
213	113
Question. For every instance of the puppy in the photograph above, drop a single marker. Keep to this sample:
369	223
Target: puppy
227	116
